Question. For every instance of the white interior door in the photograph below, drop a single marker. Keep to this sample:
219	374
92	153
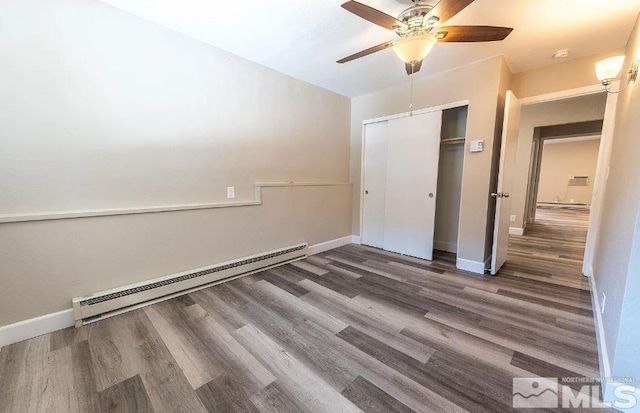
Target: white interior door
375	177
510	128
413	151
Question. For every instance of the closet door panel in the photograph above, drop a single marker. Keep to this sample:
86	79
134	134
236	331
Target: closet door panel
413	151
375	177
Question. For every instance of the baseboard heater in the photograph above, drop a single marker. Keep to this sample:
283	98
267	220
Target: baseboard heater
119	300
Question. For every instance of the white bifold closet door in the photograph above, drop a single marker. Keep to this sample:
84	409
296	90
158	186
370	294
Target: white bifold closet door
375	178
413	152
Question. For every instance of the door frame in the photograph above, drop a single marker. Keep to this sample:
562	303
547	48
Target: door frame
387	118
535	165
604	158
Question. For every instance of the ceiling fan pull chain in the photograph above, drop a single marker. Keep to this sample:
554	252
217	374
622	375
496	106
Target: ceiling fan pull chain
411	96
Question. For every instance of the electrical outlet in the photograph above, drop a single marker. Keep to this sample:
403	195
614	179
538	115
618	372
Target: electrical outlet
231	192
604	299
512	218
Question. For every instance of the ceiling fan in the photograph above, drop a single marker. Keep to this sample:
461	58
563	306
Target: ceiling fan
420	28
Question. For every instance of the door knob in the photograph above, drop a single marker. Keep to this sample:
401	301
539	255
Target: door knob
430	194
366	192
496	194
505	195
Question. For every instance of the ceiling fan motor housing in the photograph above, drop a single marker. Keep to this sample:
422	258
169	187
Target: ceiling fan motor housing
414	19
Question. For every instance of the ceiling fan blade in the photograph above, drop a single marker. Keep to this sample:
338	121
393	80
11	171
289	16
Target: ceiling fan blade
446	9
411	69
472	33
372	15
366	52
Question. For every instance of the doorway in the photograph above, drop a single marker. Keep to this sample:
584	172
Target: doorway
562	155
452	151
563	163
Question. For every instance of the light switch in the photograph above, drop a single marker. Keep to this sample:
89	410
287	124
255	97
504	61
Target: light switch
231	192
512	218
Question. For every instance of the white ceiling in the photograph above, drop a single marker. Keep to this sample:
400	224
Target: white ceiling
304	38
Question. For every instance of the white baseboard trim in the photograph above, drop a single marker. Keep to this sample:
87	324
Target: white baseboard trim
472	266
355	239
608	388
603	356
445	246
24	330
516	231
328	245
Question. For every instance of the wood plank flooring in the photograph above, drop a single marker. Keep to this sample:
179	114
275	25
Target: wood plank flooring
352	329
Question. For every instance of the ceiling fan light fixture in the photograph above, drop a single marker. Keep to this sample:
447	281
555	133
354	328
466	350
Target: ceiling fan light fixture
414	48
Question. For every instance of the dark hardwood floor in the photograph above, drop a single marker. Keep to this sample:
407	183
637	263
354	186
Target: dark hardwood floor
350	329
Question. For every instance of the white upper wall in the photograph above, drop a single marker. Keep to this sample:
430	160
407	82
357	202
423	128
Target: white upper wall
101	109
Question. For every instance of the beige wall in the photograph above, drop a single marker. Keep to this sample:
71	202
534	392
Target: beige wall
479	83
46	263
566	75
562	159
616	265
544	114
100	109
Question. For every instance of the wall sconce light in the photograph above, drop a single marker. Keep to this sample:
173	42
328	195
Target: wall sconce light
608	69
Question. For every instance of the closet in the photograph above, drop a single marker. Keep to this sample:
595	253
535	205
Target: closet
411	197
400	181
452	150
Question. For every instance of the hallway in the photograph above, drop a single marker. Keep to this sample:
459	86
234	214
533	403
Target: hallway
553	247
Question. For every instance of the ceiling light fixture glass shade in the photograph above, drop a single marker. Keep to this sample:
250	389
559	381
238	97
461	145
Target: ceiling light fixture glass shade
413	48
609	69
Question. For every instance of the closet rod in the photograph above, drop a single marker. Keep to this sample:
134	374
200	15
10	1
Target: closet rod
452	141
